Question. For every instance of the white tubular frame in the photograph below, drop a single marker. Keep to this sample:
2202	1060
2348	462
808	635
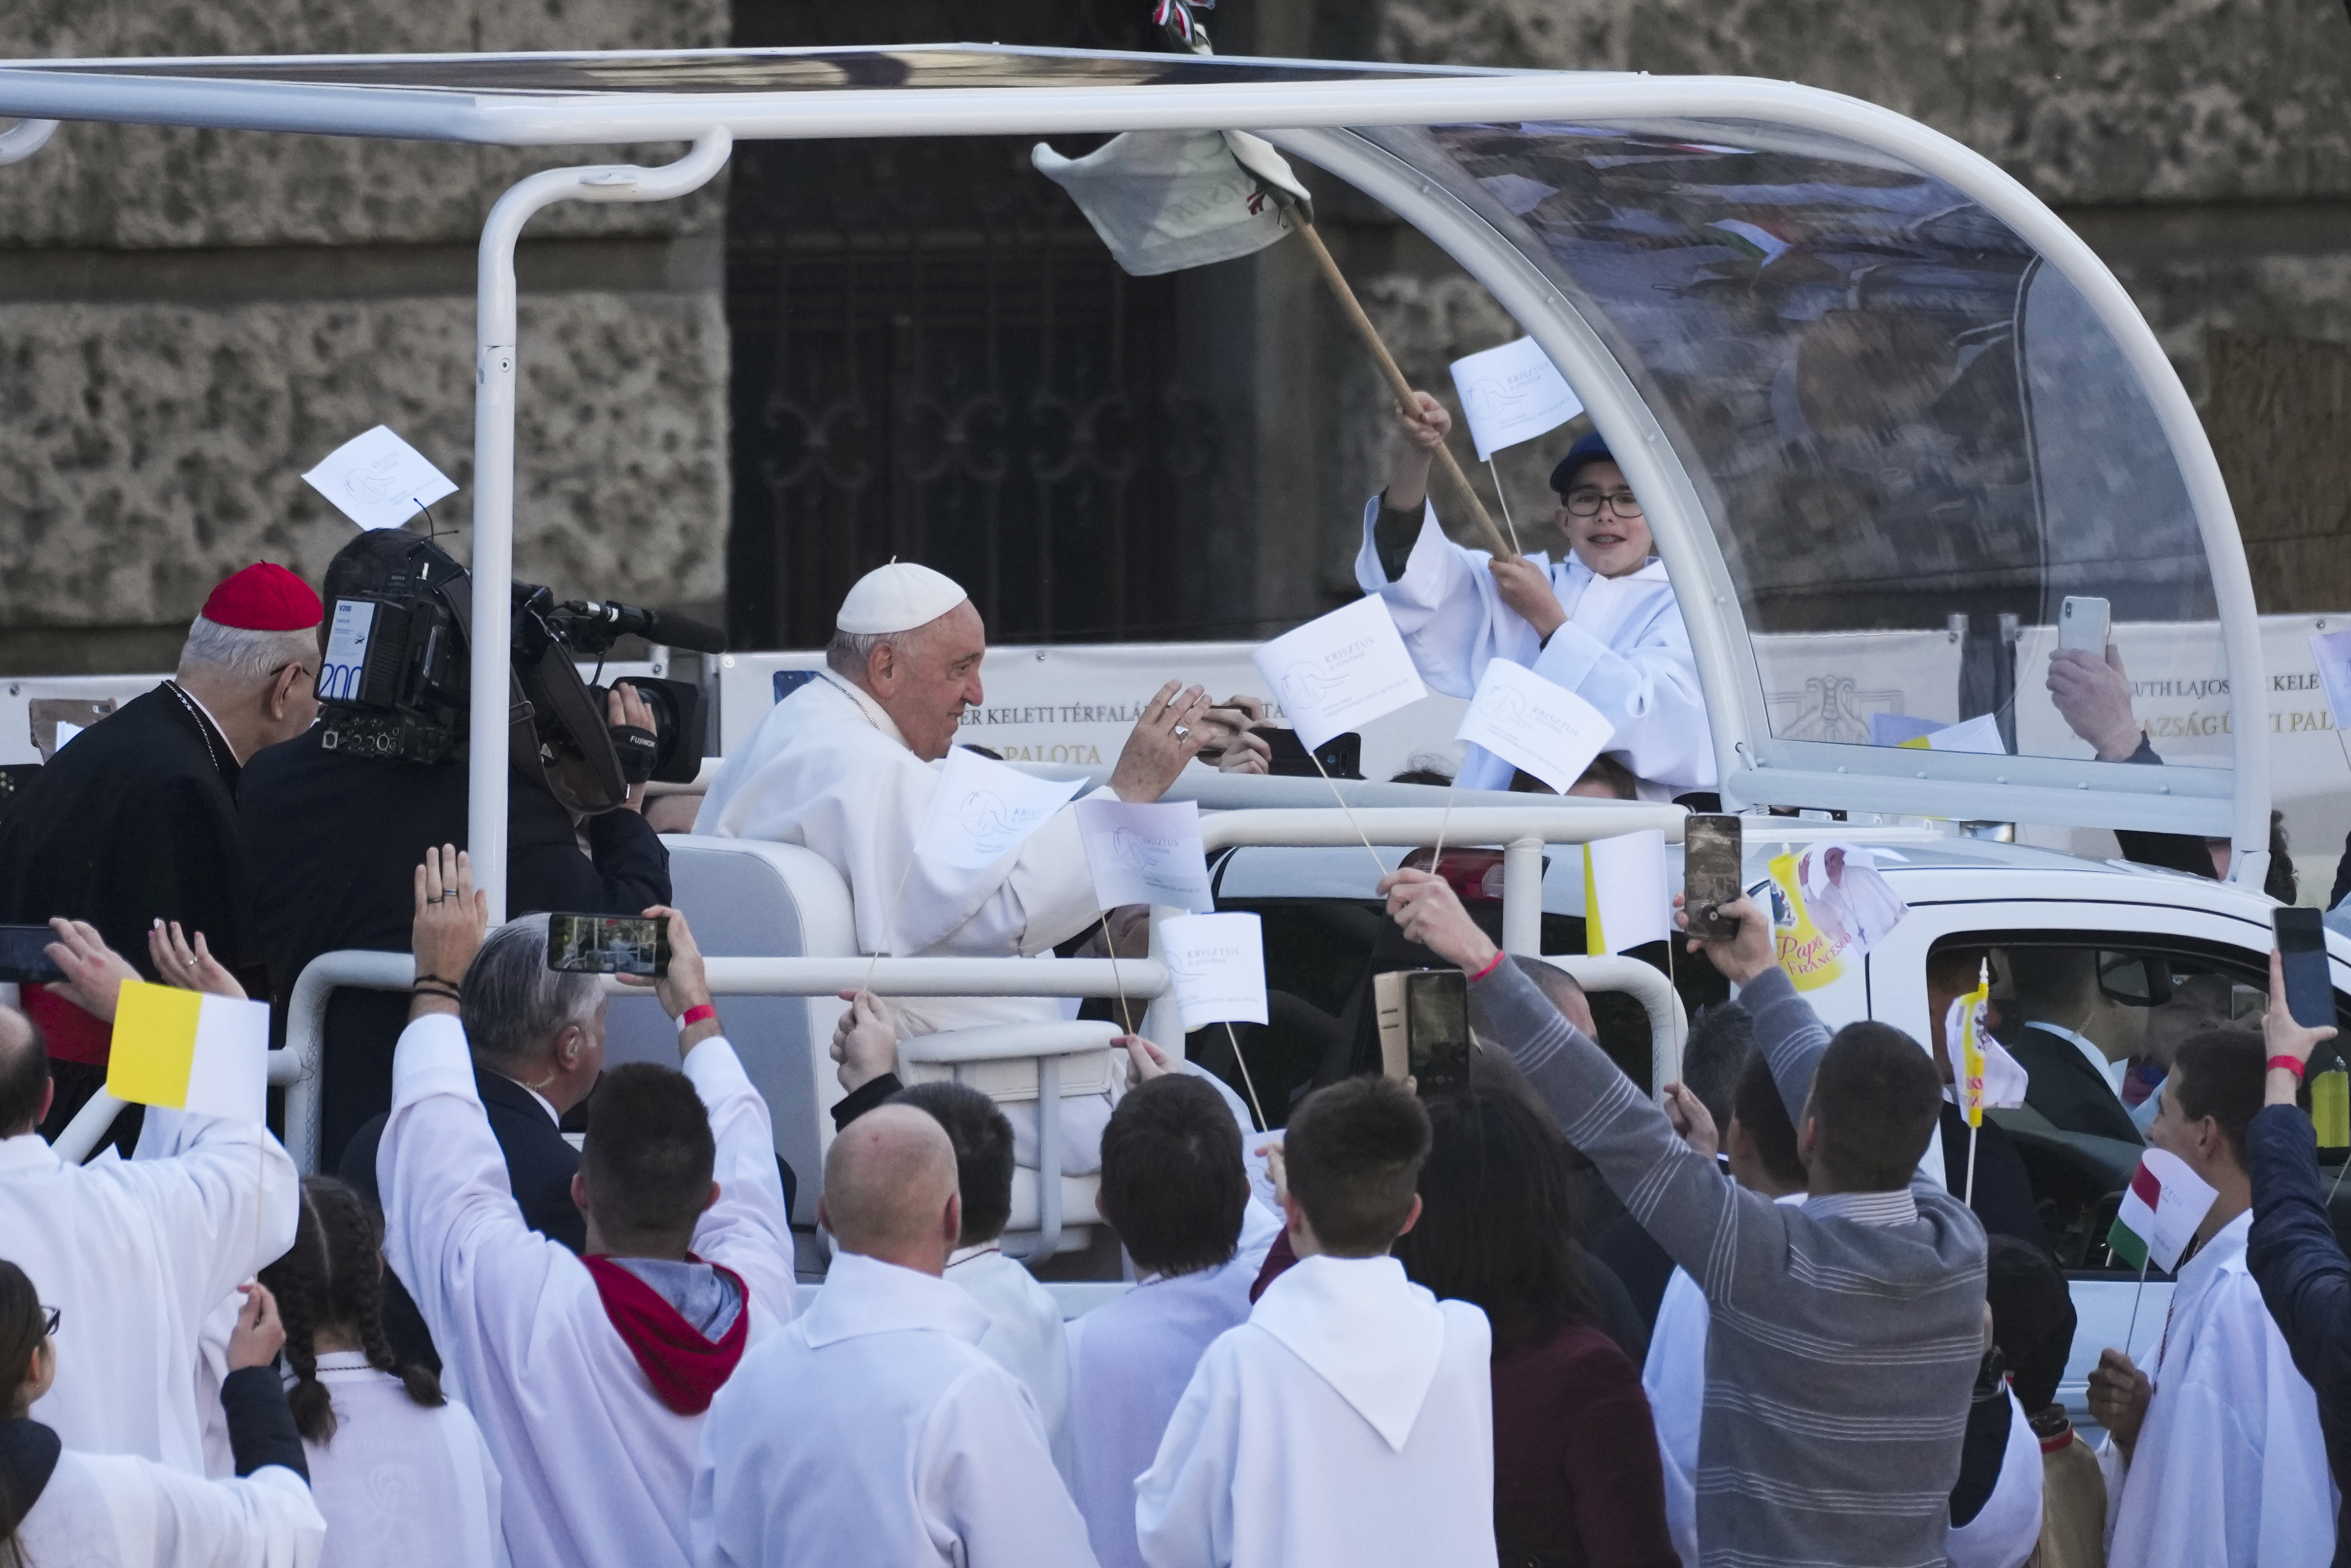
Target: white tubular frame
24	138
1669	1019
494	335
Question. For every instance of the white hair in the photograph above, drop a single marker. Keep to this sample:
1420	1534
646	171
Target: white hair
249	656
848	651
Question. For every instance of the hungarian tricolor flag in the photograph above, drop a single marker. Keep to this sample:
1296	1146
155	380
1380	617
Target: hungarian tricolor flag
2165	1203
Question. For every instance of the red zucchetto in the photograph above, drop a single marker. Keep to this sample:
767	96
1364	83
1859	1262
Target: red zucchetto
264	598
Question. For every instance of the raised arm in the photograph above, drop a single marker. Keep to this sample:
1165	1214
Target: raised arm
2305	1279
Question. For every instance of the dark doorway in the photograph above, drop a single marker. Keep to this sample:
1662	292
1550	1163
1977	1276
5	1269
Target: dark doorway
935	359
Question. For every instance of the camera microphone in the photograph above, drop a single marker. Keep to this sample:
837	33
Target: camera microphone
663	627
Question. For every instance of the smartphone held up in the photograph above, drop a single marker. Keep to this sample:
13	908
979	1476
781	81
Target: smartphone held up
1712	856
608	944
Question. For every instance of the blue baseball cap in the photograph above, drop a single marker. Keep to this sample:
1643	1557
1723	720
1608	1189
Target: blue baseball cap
1588	450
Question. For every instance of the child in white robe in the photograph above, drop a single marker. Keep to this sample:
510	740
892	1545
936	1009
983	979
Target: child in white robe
1175	1188
1603	624
399	1470
60	1506
1349	1422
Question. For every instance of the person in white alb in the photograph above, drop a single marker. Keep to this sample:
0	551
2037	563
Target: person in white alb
1176	1186
1602	623
137	1252
1350	1421
873	1430
65	1508
2213	1451
589	1376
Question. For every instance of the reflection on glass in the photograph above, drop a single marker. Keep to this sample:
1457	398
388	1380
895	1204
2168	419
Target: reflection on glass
1913	439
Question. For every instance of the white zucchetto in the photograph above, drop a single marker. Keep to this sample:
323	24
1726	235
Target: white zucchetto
898	598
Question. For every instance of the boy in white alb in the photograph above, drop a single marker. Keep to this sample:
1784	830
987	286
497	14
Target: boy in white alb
1349	1422
1602	623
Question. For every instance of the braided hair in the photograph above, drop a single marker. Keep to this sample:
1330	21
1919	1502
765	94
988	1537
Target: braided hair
333	1278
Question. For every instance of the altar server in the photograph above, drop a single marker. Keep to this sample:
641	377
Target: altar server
65	1508
873	1430
138	1252
589	1376
1350	1421
1175	1188
2213	1452
1602	623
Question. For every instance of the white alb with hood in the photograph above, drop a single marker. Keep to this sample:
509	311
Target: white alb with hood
1348	1424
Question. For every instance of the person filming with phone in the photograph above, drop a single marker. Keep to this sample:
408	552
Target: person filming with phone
1846	1334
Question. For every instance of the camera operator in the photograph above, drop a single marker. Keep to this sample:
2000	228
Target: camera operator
332	840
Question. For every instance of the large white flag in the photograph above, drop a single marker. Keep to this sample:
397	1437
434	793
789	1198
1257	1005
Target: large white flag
1626	902
1512	393
1145	853
1340	671
1167	200
984	810
1531	724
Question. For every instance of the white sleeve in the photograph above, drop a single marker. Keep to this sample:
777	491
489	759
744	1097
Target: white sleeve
265	1520
748	1229
1184	1503
1649	691
1446	605
1674	1377
453	1231
2004	1533
223	1197
991	1481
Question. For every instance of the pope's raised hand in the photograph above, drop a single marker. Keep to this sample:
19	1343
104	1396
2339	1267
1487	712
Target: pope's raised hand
1169	733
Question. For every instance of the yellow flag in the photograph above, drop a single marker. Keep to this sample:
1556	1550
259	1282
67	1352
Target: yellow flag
1971	1056
1810	959
190	1051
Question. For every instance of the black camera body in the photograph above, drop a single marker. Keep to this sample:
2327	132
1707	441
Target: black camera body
396	683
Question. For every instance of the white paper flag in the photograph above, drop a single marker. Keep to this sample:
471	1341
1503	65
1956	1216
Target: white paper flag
1165	200
1531	724
1980	734
1851	903
1626	902
1217	965
1146	854
1512	393
984	810
378	480
2332	651
1340	671
2005	1081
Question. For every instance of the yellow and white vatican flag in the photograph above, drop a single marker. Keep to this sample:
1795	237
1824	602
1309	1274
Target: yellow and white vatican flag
190	1050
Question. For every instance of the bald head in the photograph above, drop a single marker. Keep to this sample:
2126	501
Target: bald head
23	1074
890	1189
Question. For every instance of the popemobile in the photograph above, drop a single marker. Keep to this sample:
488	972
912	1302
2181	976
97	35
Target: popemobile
1903	444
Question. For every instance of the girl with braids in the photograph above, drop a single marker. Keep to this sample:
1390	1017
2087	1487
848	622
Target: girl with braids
399	1473
61	1506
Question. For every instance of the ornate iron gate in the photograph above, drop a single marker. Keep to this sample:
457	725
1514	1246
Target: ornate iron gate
935	359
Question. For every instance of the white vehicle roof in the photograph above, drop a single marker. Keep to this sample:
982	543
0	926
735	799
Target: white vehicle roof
1863	380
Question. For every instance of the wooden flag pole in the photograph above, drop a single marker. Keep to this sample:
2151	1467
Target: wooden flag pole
1463	498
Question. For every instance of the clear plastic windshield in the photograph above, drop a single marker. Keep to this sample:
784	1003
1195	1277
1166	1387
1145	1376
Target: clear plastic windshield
1927	468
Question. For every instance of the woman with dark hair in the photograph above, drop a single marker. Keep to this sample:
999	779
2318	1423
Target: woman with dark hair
1576	1476
117	1511
401	1474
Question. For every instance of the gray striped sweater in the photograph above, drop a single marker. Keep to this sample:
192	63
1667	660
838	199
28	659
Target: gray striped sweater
1846	1334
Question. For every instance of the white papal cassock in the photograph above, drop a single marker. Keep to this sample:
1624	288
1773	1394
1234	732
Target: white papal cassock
135	1254
596	1469
2229	1467
401	1486
1623	648
874	1431
1130	1361
1348	1424
116	1511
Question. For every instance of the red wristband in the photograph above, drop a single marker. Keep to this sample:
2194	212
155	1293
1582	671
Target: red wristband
1493	964
2286	1063
694	1015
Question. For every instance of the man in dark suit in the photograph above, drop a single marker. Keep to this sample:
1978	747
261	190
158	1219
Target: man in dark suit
135	821
334	839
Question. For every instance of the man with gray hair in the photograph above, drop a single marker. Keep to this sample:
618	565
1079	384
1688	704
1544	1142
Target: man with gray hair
135	822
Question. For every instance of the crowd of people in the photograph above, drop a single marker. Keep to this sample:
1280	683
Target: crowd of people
1387	1333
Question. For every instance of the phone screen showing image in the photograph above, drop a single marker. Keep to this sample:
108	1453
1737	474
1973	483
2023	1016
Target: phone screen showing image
608	944
1437	1014
1711	868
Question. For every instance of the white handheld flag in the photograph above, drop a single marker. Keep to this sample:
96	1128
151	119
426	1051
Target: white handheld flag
1217	962
378	480
2332	650
1167	200
1340	671
1512	393
984	810
1146	854
1531	724
1626	902
2004	1082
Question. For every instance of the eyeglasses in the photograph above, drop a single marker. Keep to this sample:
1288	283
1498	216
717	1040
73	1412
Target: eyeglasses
52	1317
1586	503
